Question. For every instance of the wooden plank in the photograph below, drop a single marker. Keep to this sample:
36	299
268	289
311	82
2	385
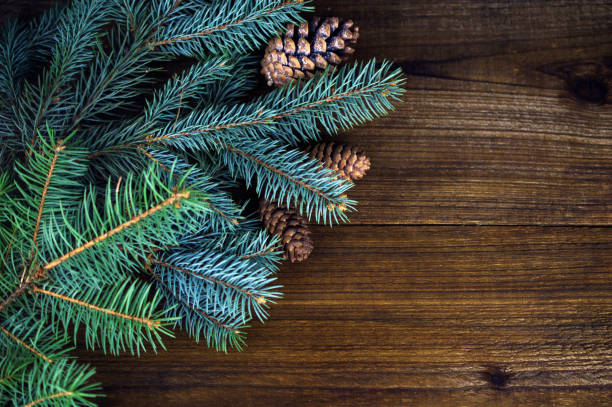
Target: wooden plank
492	130
396	315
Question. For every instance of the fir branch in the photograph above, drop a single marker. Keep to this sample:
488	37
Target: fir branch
117	76
43	38
117	317
25	345
219	26
47	183
77	29
58	148
208	317
171	200
190	85
217	333
334	101
23	46
113	80
218	202
187	88
125	229
28	344
13	60
61	383
259	299
247	244
277	171
150	323
289	177
241	82
218	280
50	397
14	295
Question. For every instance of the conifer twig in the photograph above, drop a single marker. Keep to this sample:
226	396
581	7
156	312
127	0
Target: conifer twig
258	254
25	345
58	148
174	198
258	298
220	27
149	322
277	171
165	168
14	295
194	308
50	397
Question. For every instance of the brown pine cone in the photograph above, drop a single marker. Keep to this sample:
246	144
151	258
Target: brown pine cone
351	162
290	227
307	48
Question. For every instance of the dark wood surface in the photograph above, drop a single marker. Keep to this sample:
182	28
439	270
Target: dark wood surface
418	315
479	268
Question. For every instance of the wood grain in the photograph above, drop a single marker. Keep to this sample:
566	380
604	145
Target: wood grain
490	131
398	315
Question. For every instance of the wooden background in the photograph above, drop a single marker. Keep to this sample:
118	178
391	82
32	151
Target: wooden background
478	270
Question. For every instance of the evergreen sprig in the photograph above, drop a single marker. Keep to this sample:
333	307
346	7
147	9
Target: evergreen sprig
223	26
116	184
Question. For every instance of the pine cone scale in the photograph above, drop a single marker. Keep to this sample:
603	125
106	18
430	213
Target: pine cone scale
350	162
290	227
307	48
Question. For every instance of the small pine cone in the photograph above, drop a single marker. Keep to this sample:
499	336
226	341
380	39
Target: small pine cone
290	227
307	48
351	162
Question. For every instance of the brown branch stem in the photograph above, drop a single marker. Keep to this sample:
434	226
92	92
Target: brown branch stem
14	295
174	198
217	28
149	322
25	345
50	397
41	207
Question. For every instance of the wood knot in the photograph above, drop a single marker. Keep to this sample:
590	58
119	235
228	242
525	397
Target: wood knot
588	80
588	88
497	377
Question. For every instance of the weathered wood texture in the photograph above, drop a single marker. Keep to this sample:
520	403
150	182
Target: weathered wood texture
491	131
507	120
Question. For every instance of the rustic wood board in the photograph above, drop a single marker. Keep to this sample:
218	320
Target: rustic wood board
394	315
492	130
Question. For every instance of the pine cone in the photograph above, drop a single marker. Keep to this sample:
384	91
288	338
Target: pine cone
290	226
307	48
351	162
